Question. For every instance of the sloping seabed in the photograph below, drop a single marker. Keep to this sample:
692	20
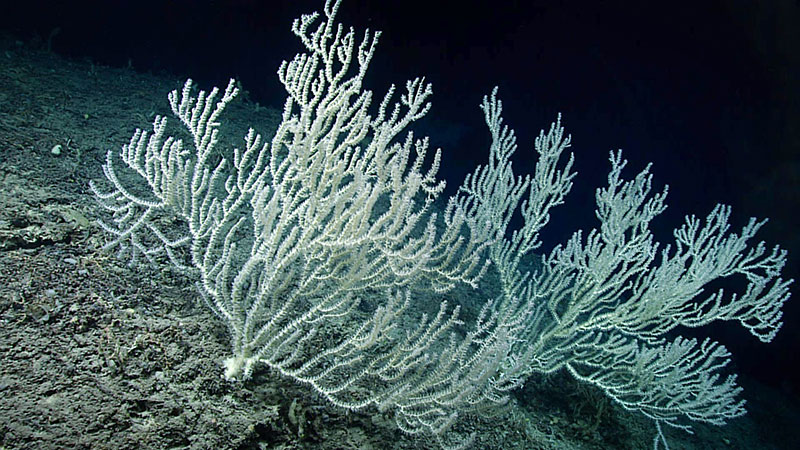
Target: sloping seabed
98	355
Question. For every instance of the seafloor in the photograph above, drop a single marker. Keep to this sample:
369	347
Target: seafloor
98	355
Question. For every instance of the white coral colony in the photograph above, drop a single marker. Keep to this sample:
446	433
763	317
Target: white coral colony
287	236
